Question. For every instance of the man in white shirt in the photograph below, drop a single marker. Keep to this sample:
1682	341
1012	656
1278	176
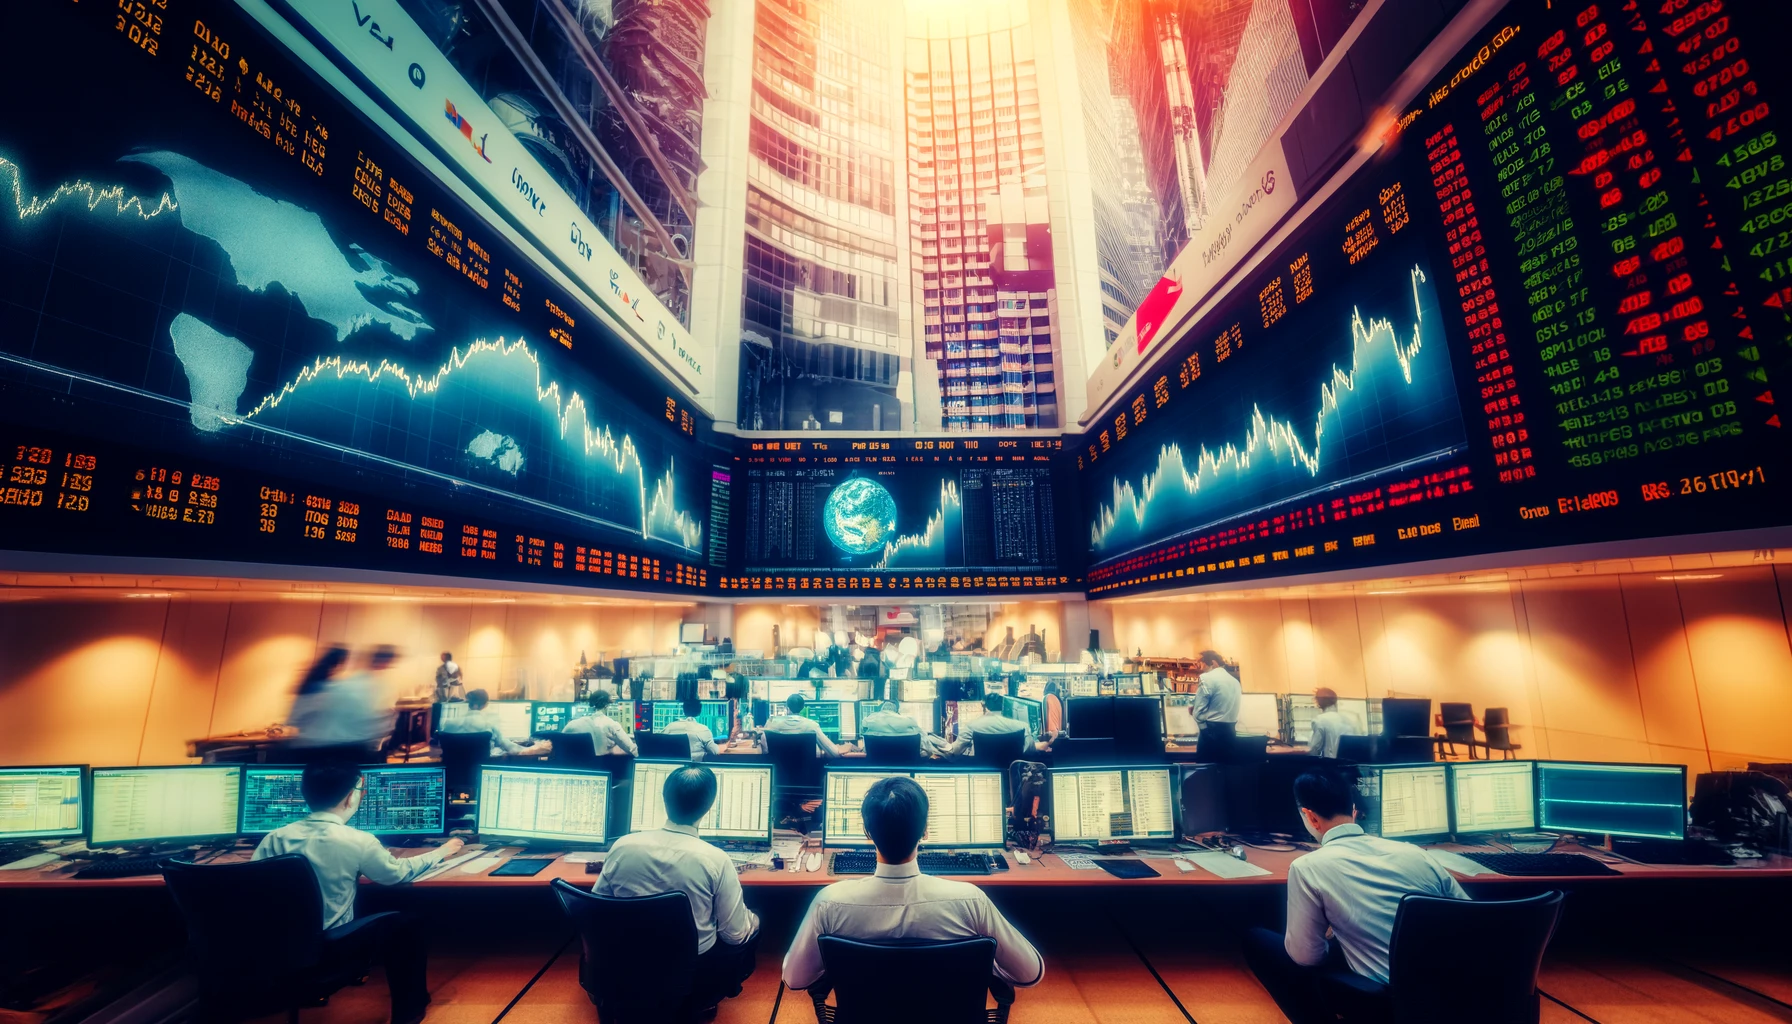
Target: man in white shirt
991	723
702	740
1216	707
349	718
888	720
1351	885
448	683
793	722
899	904
672	859
341	855
607	735
1330	724
479	719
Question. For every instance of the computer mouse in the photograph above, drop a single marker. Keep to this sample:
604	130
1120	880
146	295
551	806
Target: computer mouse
812	862
1020	857
594	867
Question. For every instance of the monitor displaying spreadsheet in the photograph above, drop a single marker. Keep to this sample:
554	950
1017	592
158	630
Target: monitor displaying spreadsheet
552	804
1644	801
449	711
920	690
964	711
395	801
843	790
1405	801
622	712
1258	715
515	718
921	712
40	803
964	809
1179	715
1303	709
716	714
1090	804
165	804
743	807
1495	796
780	690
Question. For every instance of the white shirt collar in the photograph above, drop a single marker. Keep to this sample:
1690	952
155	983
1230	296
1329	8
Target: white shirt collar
328	816
1341	832
910	869
673	826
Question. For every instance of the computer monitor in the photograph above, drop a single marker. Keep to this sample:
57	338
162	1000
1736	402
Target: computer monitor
1643	801
743	807
550	716
759	689
1257	715
717	714
554	805
408	800
1405	801
41	803
1033	687
1179	716
843	790
449	711
1094	804
181	803
1203	804
836	718
691	632
1494	796
1138	727
1090	717
922	712
963	711
867	707
964	808
920	690
1023	709
514	717
622	712
779	690
1087	686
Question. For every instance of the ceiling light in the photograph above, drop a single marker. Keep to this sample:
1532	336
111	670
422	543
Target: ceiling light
1693	576
156	594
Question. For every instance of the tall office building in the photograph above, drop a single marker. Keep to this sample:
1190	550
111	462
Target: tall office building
822	344
983	276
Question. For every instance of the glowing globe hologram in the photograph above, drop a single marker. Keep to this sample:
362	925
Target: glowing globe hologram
859	516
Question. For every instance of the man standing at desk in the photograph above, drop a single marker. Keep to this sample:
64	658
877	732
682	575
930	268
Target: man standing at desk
1330	725
607	735
990	725
792	722
1216	707
448	683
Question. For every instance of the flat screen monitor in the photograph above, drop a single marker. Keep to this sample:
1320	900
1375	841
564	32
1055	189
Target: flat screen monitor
716	714
1405	801
963	711
867	707
779	690
165	804
555	805
1258	716
548	717
1033	687
1203	798
41	803
1024	709
1497	796
843	790
1179	715
922	712
759	689
1644	801
622	712
1091	804
450	711
691	632
920	689
1087	686
515	717
964	808
395	801
836	718
1138	726
743	807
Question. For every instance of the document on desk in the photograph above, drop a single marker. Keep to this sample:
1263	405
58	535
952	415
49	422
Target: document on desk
1458	863
584	857
1078	861
1225	865
452	862
36	860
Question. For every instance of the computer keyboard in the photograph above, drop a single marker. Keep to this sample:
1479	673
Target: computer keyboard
1536	864
743	845
864	862
122	867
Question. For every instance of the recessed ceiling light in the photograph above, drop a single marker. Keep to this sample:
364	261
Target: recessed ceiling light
156	594
1693	576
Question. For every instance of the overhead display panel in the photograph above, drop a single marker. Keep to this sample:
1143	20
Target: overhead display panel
1551	312
241	324
973	515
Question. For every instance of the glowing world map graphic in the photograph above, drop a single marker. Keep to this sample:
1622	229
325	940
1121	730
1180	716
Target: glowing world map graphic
859	516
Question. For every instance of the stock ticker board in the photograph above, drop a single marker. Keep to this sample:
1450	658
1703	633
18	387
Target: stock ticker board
238	322
948	515
1552	311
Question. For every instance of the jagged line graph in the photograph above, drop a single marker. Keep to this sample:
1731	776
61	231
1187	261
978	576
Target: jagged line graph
1270	443
96	196
927	549
660	517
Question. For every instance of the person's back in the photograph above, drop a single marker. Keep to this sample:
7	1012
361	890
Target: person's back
792	722
480	718
887	722
990	723
702	740
607	735
1330	725
1219	694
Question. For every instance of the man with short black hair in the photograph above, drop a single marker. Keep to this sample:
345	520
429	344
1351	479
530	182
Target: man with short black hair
899	903
673	859
991	723
607	735
1351	885
793	722
479	719
691	727
340	855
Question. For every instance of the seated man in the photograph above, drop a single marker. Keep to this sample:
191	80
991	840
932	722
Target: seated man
887	720
341	855
793	722
702	740
1330	725
1352	885
479	719
607	735
673	858
900	904
990	723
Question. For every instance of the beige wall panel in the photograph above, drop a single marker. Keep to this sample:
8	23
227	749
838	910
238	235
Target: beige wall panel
1741	664
1586	683
1672	716
1299	644
1338	646
1460	646
76	678
267	647
186	683
1249	632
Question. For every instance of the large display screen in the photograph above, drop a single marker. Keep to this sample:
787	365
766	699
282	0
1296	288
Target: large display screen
973	514
237	322
1552	311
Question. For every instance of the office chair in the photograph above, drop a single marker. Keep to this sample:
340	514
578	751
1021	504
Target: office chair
1458	721
675	747
578	750
893	751
283	959
1069	751
795	765
1497	728
998	751
637	956
957	976
1428	971
1356	749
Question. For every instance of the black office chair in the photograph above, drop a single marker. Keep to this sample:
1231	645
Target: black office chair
1069	750
1356	749
1245	750
283	961
1427	971
637	956
1497	728
893	751
998	751
575	750
674	747
954	978
1458	721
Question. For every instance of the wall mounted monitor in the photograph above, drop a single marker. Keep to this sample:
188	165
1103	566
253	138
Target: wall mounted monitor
549	805
395	801
183	803
1100	804
1644	801
42	803
1410	802
1258	715
1493	796
743	807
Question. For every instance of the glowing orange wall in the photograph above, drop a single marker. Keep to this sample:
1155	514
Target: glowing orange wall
1617	667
